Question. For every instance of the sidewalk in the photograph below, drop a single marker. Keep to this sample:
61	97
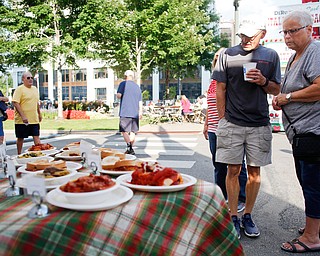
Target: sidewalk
162	128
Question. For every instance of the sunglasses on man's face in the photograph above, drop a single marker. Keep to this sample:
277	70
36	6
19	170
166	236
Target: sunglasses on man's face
29	77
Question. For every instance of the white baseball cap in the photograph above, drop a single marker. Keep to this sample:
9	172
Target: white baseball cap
129	73
250	27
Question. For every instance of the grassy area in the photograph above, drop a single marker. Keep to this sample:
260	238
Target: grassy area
111	123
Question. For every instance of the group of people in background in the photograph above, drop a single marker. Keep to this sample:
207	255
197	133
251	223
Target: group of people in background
238	127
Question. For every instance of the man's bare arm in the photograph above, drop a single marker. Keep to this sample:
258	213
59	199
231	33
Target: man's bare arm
221	99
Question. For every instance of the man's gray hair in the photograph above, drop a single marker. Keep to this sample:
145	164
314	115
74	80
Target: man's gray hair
304	18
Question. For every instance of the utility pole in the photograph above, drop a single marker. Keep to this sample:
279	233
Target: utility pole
236	21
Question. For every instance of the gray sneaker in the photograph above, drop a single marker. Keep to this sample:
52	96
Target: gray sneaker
241	206
250	229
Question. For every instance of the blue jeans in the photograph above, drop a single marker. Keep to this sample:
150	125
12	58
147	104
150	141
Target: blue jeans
308	174
220	170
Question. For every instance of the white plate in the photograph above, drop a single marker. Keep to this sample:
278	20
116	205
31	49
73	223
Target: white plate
73	165
187	181
116	173
70	166
130	157
23	167
117	197
71	148
52	181
47	152
70	158
21	182
30	159
53	152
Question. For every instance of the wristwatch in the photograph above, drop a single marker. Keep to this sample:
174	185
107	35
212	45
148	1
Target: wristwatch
288	97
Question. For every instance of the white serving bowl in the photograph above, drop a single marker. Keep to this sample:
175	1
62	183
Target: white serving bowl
31	159
88	198
60	180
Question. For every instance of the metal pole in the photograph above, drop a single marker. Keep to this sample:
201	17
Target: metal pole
236	22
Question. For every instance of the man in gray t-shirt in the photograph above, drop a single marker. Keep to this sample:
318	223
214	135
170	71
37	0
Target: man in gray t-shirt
244	127
130	97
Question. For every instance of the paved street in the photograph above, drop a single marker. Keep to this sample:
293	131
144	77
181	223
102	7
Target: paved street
279	208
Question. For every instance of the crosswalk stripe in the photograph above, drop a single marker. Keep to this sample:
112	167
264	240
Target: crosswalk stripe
177	139
154	144
164	152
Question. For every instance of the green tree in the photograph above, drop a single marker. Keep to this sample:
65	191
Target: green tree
145	95
143	34
5	83
35	32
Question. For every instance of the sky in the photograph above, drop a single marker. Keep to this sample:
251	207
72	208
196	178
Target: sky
225	8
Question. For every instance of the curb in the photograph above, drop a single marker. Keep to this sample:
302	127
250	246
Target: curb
14	142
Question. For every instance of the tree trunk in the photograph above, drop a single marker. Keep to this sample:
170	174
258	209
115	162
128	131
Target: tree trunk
167	83
57	44
59	78
138	74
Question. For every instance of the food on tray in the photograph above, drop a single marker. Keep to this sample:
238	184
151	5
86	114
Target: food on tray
88	184
44	163
155	175
52	172
71	153
111	152
39	147
31	154
114	163
71	145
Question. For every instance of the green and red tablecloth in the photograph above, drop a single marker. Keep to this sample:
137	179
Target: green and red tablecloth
194	221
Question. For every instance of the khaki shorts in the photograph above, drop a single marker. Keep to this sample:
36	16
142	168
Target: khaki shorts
234	142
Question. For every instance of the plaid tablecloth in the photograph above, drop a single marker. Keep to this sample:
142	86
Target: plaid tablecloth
194	221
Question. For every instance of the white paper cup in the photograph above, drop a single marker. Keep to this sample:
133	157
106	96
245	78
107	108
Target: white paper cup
246	68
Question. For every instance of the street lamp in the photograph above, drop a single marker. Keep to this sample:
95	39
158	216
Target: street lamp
236	21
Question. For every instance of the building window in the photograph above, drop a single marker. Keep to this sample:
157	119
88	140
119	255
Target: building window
65	75
43	77
43	93
79	92
101	93
65	92
79	75
100	73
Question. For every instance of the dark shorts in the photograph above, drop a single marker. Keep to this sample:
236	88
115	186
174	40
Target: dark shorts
128	124
24	131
